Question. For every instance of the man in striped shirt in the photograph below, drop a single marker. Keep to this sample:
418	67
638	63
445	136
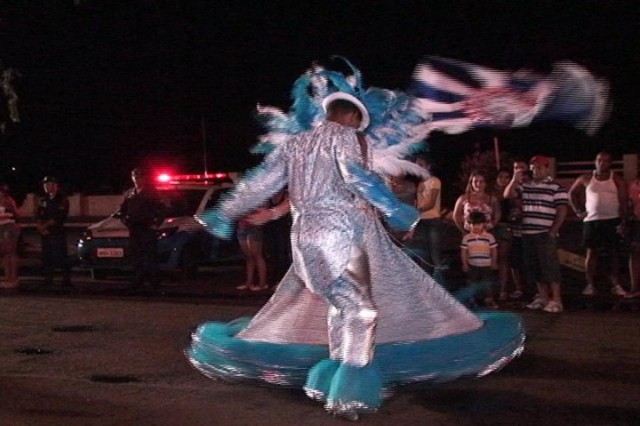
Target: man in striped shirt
544	208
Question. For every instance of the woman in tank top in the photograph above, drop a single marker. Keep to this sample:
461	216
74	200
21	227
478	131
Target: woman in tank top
477	197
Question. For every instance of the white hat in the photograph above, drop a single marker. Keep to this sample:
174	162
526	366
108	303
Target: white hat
364	123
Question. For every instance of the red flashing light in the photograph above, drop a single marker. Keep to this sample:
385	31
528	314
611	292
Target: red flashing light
185	178
164	178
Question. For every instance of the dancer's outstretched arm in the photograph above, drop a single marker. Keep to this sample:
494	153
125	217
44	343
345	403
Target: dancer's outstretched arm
250	193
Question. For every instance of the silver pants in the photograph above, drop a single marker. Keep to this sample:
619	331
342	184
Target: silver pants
352	314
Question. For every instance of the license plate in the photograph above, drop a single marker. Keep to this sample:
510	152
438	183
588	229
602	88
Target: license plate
110	252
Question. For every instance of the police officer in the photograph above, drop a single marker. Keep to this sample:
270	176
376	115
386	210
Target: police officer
53	209
142	213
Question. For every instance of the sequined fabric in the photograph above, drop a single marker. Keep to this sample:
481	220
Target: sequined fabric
410	305
349	291
330	212
326	236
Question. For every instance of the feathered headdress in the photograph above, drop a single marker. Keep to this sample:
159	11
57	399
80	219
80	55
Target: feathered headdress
392	128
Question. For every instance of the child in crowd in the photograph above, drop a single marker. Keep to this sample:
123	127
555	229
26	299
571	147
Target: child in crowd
479	255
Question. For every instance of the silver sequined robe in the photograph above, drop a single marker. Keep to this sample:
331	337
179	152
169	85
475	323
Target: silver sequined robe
332	225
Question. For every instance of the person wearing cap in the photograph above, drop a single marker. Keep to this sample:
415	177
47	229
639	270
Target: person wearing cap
52	211
544	208
600	200
142	213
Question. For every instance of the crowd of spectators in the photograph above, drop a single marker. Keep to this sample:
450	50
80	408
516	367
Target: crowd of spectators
509	230
509	227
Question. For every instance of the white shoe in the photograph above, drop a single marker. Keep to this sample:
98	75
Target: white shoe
516	294
553	307
537	304
618	291
589	290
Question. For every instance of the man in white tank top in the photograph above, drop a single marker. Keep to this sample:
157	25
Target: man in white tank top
600	200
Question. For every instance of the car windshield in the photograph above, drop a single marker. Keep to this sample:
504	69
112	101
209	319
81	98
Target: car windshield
181	202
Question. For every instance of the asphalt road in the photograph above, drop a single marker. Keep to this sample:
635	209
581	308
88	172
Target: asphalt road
103	359
94	355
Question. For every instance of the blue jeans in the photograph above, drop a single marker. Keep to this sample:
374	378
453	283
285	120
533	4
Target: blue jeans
428	234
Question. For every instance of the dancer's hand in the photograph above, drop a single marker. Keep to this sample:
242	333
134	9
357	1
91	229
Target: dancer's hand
216	223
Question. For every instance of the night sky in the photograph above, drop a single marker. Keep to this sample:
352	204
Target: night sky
108	85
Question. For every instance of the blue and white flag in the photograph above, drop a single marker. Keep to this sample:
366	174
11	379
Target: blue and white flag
455	96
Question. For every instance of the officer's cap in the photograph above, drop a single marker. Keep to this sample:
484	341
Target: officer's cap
49	179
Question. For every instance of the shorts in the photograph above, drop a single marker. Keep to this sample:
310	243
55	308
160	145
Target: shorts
480	274
253	233
515	254
601	233
540	258
634	232
9	233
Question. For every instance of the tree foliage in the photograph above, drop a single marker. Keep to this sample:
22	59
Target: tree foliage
484	162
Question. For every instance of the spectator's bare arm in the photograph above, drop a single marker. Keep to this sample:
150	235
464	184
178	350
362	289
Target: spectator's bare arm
510	189
458	214
576	195
561	214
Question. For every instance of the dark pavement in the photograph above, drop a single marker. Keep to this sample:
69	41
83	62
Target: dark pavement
95	356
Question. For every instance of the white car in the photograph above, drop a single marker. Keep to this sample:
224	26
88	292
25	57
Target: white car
183	244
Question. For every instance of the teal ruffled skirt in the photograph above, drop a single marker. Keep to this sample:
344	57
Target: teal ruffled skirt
423	334
217	353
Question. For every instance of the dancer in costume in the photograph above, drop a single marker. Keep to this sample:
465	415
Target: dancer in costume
354	315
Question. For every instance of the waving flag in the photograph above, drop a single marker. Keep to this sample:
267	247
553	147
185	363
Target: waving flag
456	96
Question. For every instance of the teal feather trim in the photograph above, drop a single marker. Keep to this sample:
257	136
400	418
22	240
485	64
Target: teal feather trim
217	353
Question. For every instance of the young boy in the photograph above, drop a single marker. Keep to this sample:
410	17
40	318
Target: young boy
479	255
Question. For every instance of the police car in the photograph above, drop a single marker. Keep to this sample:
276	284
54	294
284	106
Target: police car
183	244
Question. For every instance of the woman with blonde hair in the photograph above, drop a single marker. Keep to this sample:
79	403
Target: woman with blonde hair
477	197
